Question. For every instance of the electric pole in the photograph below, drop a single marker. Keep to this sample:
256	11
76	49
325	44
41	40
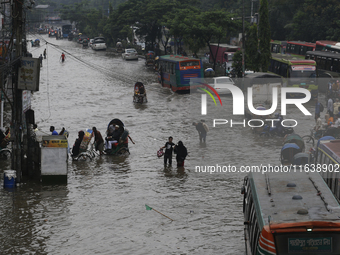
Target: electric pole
243	41
17	99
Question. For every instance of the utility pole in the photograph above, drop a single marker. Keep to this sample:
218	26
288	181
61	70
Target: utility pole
17	99
243	41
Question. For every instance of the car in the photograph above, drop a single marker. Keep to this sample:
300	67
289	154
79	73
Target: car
98	43
220	84
130	54
91	42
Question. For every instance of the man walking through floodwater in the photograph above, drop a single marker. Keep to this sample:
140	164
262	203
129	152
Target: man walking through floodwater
202	130
168	151
62	57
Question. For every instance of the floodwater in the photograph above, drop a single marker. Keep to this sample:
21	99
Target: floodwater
102	209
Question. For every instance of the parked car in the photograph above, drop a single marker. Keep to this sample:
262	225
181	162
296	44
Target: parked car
220	84
98	43
91	41
130	54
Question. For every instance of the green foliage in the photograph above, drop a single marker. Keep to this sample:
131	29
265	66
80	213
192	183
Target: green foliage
237	63
317	20
251	51
264	37
198	21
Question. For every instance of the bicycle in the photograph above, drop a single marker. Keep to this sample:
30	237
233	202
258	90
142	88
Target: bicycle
314	135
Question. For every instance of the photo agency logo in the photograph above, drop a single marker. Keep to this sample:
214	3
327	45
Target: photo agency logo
262	114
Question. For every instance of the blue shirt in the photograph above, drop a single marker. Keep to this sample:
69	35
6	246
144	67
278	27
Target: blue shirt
55	132
317	108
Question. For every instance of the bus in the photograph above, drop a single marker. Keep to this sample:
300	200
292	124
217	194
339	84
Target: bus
289	213
327	159
299	48
327	62
66	29
175	72
331	46
278	46
296	73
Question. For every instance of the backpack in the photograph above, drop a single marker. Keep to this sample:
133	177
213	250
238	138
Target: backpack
321	108
205	127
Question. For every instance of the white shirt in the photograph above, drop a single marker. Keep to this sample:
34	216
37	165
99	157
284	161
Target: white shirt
330	105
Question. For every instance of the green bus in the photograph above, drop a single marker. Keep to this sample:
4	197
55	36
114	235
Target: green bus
300	73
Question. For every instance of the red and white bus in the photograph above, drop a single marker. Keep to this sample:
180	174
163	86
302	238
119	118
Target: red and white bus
331	46
299	48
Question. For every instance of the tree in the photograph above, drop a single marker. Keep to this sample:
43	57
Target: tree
316	20
237	63
264	37
76	13
251	51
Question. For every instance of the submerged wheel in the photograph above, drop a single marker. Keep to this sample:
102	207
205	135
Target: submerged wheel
264	134
123	151
83	157
5	154
308	139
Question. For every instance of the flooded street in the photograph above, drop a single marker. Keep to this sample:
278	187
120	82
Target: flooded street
102	210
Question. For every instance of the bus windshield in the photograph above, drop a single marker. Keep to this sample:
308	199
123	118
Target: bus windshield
190	63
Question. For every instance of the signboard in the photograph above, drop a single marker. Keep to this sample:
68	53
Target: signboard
26	100
29	74
310	245
303	68
54	141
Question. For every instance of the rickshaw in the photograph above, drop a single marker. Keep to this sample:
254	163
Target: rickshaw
288	151
84	153
301	159
295	138
36	43
325	138
119	47
121	147
85	44
150	59
139	95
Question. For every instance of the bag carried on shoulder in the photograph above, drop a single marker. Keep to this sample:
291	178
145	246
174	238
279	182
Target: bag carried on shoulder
206	128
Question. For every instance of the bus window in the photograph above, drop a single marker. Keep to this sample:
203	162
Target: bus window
172	68
323	63
328	64
271	65
336	65
190	63
253	235
283	71
302	50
